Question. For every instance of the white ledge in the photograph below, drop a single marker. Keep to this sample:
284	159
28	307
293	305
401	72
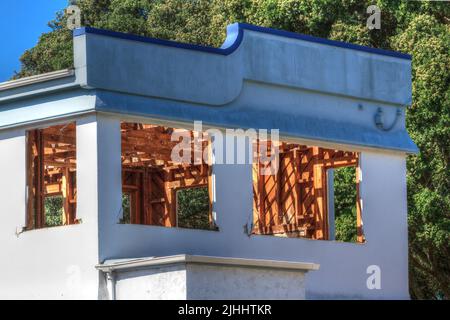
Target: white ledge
36	79
123	264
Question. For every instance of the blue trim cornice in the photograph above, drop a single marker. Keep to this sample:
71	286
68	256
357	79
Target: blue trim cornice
234	39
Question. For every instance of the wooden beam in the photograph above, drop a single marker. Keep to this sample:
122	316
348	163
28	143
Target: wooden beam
359	224
65	189
210	184
51	163
284	228
262	192
55	139
146	205
53	188
296	191
39	177
192	182
339	163
278	186
321	215
31	174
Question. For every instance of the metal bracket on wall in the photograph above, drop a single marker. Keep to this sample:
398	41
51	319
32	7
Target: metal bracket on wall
379	122
248	229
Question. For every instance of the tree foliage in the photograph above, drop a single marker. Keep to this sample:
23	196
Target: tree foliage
418	28
54	210
345	204
126	208
193	208
428	122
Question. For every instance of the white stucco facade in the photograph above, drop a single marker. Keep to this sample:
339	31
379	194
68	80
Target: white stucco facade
182	277
59	262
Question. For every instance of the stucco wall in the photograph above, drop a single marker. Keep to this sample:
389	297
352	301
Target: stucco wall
200	282
343	265
59	262
218	282
52	263
165	283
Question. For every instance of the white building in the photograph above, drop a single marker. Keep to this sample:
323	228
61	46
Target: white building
87	151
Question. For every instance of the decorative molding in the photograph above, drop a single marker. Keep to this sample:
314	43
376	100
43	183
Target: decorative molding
122	264
234	38
36	79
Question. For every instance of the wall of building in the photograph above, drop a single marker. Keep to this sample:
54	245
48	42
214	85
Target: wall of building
164	283
59	262
203	282
343	265
223	282
50	263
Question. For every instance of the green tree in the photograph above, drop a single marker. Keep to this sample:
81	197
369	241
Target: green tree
418	28
428	122
193	208
54	210
126	208
345	204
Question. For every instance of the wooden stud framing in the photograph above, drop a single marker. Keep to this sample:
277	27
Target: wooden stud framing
300	192
146	151
39	217
359	224
51	167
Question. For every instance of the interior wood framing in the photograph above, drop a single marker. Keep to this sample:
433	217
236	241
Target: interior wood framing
51	171
293	201
152	179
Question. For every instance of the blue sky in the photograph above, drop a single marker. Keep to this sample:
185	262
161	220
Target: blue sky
21	24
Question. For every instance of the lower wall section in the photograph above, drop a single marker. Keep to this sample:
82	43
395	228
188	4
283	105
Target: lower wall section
217	282
47	263
200	277
160	283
